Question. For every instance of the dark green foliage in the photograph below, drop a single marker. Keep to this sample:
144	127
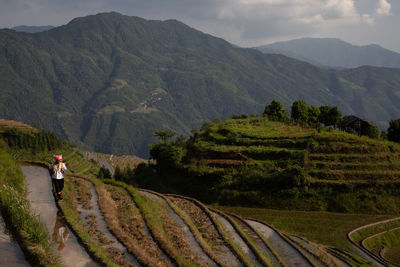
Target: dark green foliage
109	81
167	154
330	116
275	111
313	115
164	135
373	132
104	173
324	114
300	112
393	132
34	141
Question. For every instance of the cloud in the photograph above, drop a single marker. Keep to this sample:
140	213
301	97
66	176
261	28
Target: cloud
367	19
383	8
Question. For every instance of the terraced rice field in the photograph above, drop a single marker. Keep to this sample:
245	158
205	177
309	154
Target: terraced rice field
380	241
325	155
122	226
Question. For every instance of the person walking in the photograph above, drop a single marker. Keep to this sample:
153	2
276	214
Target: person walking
57	170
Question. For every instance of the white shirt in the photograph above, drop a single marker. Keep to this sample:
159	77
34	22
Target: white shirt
58	170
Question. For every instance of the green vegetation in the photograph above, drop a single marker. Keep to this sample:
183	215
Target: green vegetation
263	163
326	228
24	225
389	239
394	131
107	82
275	111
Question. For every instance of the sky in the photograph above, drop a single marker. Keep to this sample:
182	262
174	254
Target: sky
245	23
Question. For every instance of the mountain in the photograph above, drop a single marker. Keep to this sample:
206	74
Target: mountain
106	82
32	29
333	52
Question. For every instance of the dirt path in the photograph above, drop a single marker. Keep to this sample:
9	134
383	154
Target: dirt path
289	254
10	253
237	239
194	246
111	243
42	202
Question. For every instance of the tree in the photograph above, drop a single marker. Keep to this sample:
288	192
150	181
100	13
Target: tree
330	116
393	132
335	116
324	114
313	115
164	135
300	112
275	111
373	131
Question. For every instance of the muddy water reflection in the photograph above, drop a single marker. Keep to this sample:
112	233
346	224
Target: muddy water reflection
60	232
42	202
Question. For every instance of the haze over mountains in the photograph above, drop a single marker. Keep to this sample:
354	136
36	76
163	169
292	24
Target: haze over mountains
331	52
107	82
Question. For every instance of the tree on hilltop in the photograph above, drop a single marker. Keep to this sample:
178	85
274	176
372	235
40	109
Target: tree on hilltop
275	111
299	112
313	114
329	116
393	132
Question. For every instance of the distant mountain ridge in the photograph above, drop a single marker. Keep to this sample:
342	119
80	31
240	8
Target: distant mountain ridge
332	52
108	81
32	29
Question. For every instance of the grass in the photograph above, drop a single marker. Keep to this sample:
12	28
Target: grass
30	233
388	239
369	231
71	214
326	228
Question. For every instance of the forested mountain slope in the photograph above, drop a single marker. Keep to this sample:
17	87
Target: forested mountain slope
107	81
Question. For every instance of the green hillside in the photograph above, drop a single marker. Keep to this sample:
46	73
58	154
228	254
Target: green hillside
106	82
119	225
256	162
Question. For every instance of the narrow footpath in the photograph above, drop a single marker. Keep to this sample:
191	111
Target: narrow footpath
43	204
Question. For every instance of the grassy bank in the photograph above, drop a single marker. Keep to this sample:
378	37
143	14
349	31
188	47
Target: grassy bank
24	225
